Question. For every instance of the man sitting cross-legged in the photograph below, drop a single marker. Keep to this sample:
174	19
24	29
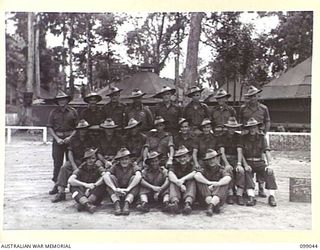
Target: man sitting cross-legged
86	183
182	183
154	183
213	182
122	180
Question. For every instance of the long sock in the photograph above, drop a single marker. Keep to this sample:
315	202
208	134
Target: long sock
215	200
250	192
166	198
189	199
208	199
114	198
144	198
272	192
239	191
129	198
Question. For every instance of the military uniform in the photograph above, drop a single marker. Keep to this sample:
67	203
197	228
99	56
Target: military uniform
135	144
230	143
154	177
121	178
259	112
110	146
174	190
220	115
171	114
63	122
140	113
189	141
116	111
205	142
195	113
253	148
160	142
213	174
77	146
94	116
88	175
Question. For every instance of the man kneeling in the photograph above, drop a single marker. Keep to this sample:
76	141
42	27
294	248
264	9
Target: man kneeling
213	182
122	180
154	183
86	183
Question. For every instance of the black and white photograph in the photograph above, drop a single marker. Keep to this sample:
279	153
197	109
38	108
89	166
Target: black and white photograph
158	120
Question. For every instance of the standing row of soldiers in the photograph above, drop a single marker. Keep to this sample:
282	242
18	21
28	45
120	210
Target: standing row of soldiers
172	153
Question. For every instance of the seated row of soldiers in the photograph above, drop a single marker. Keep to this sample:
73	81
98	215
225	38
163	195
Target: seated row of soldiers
169	167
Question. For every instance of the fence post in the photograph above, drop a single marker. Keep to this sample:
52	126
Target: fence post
9	135
44	131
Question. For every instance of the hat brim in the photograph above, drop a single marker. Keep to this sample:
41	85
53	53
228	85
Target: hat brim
176	156
147	161
232	126
192	93
160	94
222	96
208	158
114	92
87	98
252	125
94	127
119	157
133	126
185	120
109	127
91	154
202	125
253	93
164	122
137	96
83	127
60	98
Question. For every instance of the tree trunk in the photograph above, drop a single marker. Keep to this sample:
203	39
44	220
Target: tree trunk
71	44
89	63
177	60
37	60
27	112
191	71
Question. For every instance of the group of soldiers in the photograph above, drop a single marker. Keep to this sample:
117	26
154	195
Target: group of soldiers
170	154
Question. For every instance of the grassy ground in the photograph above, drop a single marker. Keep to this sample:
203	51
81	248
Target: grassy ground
27	205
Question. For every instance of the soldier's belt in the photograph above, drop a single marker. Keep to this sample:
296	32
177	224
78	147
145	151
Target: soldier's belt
254	159
63	134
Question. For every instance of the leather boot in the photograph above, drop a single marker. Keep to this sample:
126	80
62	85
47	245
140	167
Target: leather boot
174	207
250	201
143	207
126	208
240	200
81	208
272	201
166	207
209	211
216	209
90	208
187	208
54	190
59	197
117	208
